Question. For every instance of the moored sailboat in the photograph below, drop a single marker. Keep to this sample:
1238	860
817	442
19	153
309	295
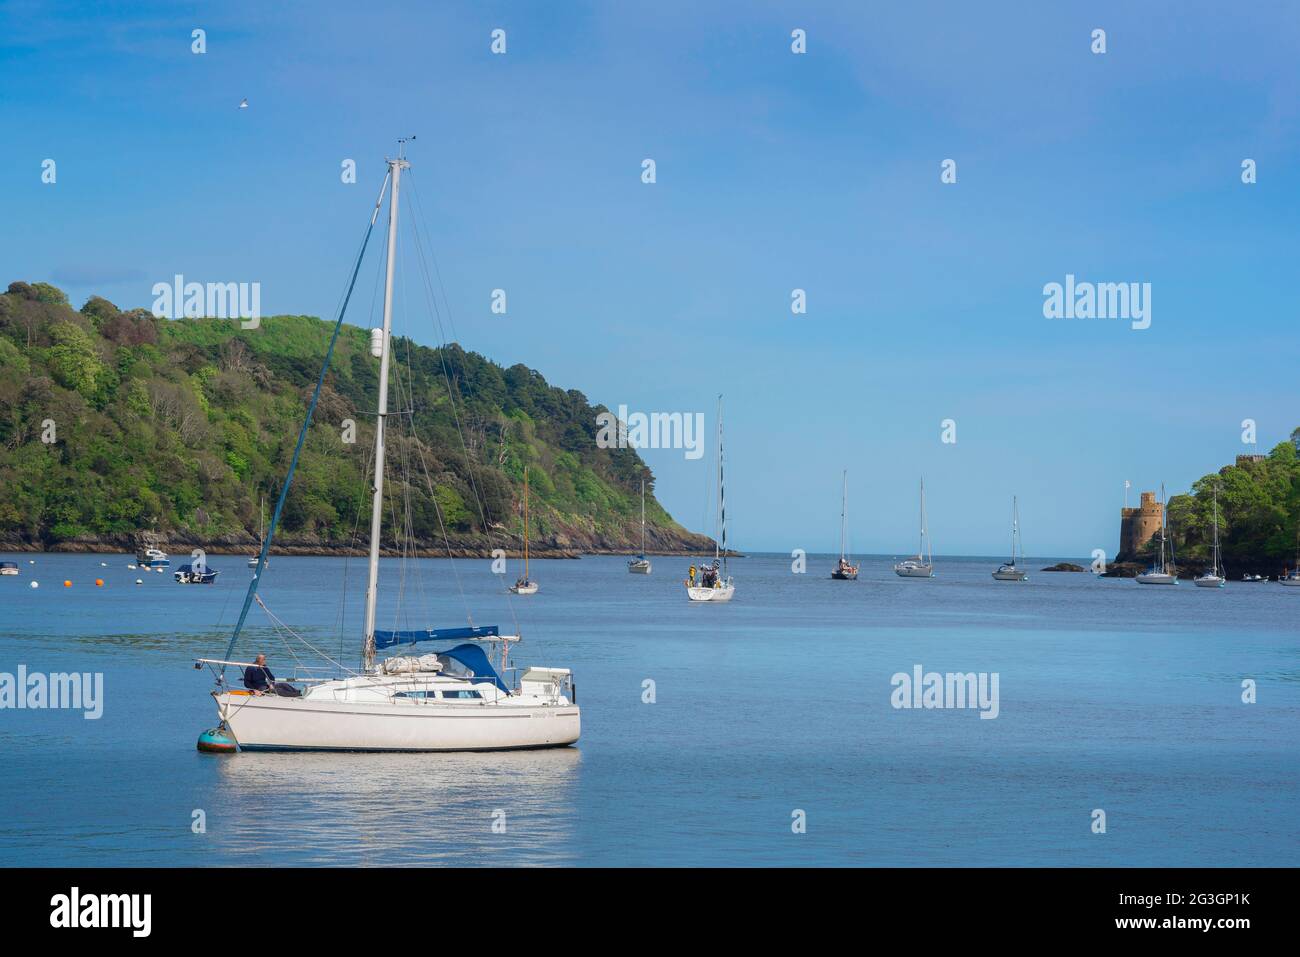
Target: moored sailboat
261	533
1215	577
457	699
1163	572
641	565
1293	579
714	584
1007	571
844	569
525	585
922	566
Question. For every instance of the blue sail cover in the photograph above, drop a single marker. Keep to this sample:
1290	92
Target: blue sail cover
475	659
386	639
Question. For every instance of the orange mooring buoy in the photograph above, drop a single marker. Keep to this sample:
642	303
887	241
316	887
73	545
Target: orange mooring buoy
99	583
67	584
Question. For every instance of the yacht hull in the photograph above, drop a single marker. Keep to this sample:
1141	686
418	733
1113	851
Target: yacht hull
1157	578
1209	581
1011	576
639	568
524	589
272	723
914	571
711	594
1291	582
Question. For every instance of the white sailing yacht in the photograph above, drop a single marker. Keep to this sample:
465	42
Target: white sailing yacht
713	582
923	565
1007	571
261	533
1214	578
1163	573
1293	579
641	565
844	569
525	585
456	699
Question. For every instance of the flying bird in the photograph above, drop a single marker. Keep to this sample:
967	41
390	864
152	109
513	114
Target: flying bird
243	104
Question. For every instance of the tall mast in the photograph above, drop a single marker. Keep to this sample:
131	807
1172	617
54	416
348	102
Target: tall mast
722	499
1015	527
920	548
1216	530
395	167
643	516
525	523
1164	524
844	504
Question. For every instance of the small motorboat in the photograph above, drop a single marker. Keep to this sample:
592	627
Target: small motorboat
524	586
189	574
8	568
1253	578
153	558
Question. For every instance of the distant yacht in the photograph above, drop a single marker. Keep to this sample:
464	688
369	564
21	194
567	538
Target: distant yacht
1007	571
844	570
923	565
1293	579
714	584
152	558
525	585
261	534
8	568
641	565
1162	573
1214	577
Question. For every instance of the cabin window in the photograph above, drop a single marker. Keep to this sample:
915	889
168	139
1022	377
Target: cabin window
420	695
460	693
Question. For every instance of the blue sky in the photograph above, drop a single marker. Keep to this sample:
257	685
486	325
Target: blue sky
775	171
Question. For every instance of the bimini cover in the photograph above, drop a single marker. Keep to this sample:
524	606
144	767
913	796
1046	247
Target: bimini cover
386	639
475	659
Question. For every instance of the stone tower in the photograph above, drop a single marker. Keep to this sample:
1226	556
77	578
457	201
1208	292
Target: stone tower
1137	526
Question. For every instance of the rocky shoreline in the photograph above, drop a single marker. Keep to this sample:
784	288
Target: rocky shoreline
663	542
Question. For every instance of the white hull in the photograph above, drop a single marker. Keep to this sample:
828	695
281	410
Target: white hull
1014	575
639	568
529	589
1292	582
8	571
711	594
270	722
1156	578
913	570
1209	581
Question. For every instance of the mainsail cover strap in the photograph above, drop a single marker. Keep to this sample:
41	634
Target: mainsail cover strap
386	639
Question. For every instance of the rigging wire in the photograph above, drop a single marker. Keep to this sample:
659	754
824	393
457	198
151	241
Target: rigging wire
306	424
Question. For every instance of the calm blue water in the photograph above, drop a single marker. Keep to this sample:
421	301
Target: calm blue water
1112	696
